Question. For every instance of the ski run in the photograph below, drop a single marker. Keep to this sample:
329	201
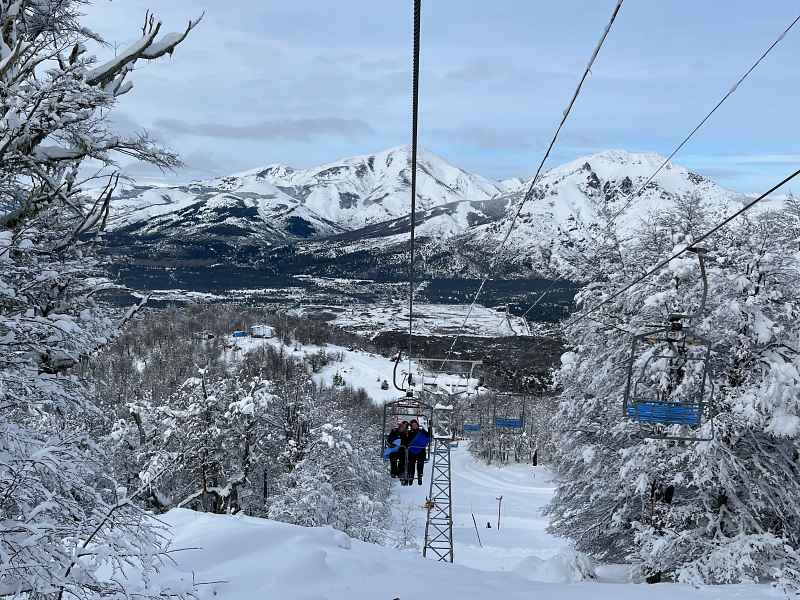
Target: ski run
245	558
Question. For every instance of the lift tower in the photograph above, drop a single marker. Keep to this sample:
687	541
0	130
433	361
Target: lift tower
439	525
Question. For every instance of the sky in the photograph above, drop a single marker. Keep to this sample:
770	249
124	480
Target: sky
307	82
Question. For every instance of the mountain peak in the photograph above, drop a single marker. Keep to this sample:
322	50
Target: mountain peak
614	164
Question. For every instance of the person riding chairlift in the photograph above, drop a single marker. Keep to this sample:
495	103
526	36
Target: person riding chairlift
395	450
418	440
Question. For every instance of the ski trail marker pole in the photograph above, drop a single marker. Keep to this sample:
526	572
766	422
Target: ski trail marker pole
499	504
474	522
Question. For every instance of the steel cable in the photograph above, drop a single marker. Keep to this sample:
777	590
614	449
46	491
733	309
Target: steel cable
531	188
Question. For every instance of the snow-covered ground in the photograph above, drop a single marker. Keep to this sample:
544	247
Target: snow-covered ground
358	369
476	487
429	319
242	558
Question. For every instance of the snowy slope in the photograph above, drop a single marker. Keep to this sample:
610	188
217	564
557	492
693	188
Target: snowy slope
476	487
255	212
358	369
244	558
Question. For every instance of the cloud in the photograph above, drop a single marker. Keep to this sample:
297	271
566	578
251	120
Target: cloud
284	129
487	138
198	164
474	72
756	159
124	124
203	162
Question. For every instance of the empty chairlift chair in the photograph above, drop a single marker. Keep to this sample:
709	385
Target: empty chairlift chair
669	382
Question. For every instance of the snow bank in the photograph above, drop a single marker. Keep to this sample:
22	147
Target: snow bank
244	558
568	566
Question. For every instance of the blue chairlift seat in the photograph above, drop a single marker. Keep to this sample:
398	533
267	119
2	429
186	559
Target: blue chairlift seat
668	413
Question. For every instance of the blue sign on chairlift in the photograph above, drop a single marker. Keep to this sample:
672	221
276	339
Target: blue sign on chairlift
472	426
508	423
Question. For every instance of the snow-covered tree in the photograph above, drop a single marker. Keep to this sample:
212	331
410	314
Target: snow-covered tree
339	481
713	511
214	433
66	528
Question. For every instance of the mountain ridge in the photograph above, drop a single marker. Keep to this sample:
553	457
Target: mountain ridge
351	217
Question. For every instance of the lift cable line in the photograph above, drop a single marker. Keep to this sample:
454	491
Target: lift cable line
685	140
439	521
666	261
414	132
531	188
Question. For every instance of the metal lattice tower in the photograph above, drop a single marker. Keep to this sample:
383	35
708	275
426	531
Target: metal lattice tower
439	526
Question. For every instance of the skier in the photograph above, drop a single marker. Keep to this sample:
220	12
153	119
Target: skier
418	440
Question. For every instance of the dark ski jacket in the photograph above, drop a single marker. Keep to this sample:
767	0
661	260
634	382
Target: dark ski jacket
394	434
418	441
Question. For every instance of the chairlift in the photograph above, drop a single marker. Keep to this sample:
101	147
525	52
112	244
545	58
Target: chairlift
449	376
406	408
512	412
669	381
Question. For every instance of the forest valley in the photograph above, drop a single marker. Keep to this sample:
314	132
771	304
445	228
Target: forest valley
110	417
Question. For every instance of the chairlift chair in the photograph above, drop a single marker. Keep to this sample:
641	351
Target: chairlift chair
670	384
406	409
511	417
451	376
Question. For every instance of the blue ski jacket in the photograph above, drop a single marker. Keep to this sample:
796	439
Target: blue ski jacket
419	442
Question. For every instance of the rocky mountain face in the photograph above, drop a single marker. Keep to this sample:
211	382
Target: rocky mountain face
351	218
247	215
595	189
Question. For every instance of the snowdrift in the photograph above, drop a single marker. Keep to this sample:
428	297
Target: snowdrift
244	558
568	566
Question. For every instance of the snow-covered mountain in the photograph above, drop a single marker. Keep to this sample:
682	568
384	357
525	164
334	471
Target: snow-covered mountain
351	217
208	210
594	188
365	190
277	205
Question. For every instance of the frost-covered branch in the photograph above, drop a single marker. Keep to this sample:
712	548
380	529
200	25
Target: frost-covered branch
54	476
